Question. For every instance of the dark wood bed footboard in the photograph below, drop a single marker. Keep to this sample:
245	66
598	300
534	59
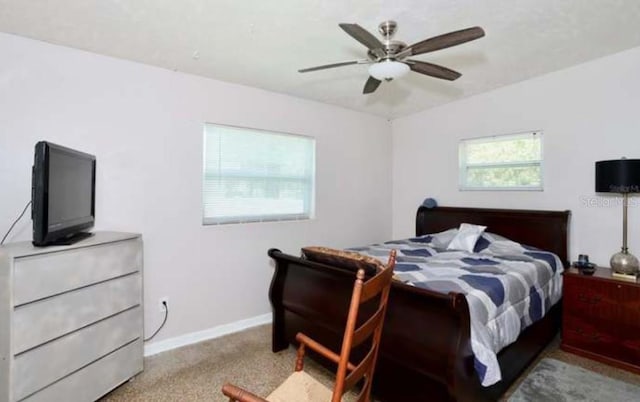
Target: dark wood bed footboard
425	351
424	336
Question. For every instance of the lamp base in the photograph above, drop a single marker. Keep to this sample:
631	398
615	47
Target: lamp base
625	263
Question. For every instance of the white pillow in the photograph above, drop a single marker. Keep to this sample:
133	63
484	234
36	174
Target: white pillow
442	239
467	237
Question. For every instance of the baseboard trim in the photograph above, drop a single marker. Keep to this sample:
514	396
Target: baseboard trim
211	333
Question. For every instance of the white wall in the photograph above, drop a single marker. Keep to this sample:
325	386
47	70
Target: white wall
588	113
145	126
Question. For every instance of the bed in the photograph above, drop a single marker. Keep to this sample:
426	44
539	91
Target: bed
426	351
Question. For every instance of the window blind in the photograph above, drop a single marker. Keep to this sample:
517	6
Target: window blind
254	175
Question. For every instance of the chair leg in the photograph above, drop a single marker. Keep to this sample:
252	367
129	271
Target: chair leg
237	394
300	358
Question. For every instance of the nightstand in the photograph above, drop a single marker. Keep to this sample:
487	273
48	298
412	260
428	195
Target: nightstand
601	318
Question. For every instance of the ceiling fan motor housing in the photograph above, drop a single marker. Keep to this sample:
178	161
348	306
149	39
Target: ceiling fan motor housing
391	47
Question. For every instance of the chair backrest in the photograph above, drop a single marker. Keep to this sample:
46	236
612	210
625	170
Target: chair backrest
348	375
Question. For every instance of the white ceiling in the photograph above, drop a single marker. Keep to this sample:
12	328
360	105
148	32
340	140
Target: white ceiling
262	43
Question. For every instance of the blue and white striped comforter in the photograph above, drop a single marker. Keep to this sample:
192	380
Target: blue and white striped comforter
508	286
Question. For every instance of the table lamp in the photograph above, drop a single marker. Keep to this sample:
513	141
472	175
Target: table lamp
620	176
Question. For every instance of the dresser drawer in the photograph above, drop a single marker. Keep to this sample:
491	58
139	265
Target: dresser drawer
44	275
44	320
95	380
615	302
74	351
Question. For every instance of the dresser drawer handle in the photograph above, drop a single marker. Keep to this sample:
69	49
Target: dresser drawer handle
589	300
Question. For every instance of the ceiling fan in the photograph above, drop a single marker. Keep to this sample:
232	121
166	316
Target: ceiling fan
389	58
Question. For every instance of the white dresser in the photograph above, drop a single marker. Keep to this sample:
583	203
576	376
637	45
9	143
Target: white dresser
71	324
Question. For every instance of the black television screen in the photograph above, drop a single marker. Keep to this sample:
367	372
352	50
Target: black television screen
63	196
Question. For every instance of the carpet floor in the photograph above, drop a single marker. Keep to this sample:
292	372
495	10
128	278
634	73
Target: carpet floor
197	372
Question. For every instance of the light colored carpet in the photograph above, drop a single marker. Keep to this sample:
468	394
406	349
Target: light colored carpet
197	372
554	381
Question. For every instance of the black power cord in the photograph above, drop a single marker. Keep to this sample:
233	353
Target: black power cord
14	223
166	315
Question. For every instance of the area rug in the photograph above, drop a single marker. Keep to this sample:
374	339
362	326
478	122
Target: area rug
554	381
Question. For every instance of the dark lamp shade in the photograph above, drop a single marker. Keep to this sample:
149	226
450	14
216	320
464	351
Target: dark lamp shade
618	176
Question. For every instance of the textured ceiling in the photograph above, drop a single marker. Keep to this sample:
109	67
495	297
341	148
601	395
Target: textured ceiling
262	43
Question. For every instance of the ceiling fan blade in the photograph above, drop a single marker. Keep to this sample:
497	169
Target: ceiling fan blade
334	65
365	37
443	41
433	70
371	85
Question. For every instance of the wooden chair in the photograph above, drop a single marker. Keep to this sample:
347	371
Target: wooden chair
301	387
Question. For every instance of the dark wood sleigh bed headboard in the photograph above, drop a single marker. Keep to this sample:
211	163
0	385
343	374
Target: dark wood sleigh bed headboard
546	230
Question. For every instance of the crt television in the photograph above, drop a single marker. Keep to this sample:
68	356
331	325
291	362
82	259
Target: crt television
63	194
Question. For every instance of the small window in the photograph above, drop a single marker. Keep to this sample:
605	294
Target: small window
255	175
505	162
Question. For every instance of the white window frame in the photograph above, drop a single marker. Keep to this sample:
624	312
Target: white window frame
463	166
208	220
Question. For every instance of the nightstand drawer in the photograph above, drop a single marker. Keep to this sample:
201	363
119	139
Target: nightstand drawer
619	343
615	302
601	318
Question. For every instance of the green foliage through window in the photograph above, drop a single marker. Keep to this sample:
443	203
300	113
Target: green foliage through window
508	162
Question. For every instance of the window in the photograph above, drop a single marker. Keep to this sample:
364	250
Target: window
254	175
505	162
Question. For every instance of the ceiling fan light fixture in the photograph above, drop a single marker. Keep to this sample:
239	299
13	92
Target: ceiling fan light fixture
388	70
